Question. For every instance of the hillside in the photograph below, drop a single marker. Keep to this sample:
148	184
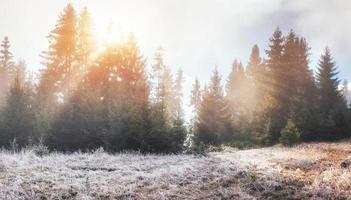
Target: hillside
308	171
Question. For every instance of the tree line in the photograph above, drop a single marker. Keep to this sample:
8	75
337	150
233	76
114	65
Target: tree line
85	99
273	99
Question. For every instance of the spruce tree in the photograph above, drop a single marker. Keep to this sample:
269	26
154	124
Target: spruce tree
6	69
163	107
178	131
18	119
85	41
303	101
275	83
195	98
236	94
56	79
213	117
235	83
6	56
195	103
332	108
59	59
254	67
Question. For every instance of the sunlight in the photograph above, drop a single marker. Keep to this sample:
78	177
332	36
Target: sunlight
108	31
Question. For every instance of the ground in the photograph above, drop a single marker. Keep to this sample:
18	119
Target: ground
307	171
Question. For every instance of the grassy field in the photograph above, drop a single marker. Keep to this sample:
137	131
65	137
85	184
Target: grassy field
308	171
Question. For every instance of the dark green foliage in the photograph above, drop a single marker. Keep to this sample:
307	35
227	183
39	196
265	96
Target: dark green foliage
86	99
332	108
18	121
267	135
213	116
40	149
277	82
289	135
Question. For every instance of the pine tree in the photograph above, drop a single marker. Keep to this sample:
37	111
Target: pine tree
195	103
18	120
85	40
303	102
331	106
134	93
6	69
213	114
178	131
290	135
6	55
275	83
163	107
234	87
60	58
118	90
236	95
195	99
254	67
56	79
287	78
257	91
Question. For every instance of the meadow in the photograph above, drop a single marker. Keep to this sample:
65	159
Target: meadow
307	171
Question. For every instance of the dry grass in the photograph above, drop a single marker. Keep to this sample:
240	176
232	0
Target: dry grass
308	171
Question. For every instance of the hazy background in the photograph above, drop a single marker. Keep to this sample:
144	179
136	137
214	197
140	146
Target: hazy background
197	35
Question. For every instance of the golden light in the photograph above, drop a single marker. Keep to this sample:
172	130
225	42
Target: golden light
106	33
109	31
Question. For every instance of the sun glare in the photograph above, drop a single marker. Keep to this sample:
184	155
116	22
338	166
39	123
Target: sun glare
108	31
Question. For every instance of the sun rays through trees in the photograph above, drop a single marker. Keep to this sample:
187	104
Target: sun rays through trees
90	95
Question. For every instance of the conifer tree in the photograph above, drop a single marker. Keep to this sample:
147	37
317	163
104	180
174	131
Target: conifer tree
195	103
134	94
236	94
195	99
163	107
303	102
276	83
213	116
85	40
254	68
60	58
56	79
6	55
234	86
6	69
178	131
18	120
256	91
332	108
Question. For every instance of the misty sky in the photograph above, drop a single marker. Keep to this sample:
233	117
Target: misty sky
197	35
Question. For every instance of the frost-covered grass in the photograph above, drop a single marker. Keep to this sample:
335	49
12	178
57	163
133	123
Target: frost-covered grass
308	171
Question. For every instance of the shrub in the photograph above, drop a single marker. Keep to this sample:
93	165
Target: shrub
40	149
290	135
243	144
266	137
197	149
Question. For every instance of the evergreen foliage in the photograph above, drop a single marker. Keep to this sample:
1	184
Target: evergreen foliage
290	135
86	98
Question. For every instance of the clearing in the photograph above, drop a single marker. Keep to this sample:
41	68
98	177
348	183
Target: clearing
308	171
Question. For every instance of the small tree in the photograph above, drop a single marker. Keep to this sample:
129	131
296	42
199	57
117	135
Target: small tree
290	135
267	137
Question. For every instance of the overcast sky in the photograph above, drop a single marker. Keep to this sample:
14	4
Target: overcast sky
197	35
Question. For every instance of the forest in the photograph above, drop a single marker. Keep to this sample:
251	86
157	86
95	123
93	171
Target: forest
85	98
